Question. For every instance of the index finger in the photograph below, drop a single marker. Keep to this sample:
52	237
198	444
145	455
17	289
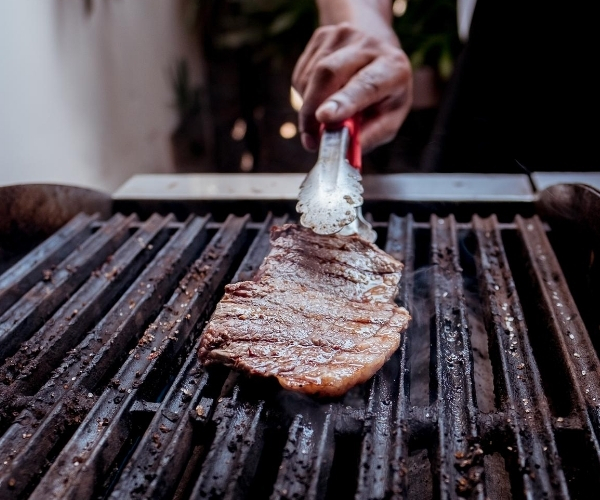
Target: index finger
370	85
328	76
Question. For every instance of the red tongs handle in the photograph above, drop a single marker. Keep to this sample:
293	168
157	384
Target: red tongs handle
354	150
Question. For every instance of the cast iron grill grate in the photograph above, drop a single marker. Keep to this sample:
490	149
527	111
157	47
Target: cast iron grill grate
494	391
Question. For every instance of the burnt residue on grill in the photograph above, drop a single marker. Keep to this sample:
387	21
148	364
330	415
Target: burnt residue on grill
460	456
518	384
494	391
90	365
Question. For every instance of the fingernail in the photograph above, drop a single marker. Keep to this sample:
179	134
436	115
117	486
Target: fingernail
327	108
308	141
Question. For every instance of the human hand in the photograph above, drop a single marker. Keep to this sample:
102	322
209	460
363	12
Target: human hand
344	71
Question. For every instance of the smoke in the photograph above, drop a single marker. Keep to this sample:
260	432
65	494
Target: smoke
483	373
421	310
421	331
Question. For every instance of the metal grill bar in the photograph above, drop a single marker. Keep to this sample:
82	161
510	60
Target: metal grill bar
518	381
30	269
306	458
460	454
565	325
385	444
62	403
28	368
147	420
33	309
166	446
99	438
233	457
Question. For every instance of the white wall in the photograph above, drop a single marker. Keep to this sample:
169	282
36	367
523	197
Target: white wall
85	97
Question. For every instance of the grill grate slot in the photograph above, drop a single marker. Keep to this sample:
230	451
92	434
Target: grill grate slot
113	402
421	308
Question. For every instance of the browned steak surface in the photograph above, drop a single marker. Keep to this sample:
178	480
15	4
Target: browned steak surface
319	315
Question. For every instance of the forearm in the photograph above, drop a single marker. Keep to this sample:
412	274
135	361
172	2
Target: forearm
373	17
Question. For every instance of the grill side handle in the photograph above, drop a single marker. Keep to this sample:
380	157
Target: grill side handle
32	212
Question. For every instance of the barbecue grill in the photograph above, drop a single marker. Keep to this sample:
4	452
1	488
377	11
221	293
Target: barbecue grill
493	393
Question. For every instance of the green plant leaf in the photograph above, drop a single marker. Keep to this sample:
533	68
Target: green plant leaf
445	64
282	23
417	58
238	39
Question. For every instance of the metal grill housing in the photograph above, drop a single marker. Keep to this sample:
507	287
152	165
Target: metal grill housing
493	393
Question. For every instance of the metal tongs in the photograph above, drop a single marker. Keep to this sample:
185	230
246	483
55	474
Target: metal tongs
330	198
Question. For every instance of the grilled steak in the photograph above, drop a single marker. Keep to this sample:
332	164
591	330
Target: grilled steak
319	315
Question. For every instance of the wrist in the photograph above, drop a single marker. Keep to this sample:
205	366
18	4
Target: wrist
372	17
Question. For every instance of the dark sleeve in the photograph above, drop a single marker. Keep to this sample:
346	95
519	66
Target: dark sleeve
524	92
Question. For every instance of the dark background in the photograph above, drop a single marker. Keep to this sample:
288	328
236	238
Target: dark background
250	48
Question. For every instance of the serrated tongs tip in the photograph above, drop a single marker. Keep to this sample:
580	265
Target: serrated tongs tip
330	197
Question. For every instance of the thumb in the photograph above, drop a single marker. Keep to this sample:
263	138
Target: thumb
330	111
